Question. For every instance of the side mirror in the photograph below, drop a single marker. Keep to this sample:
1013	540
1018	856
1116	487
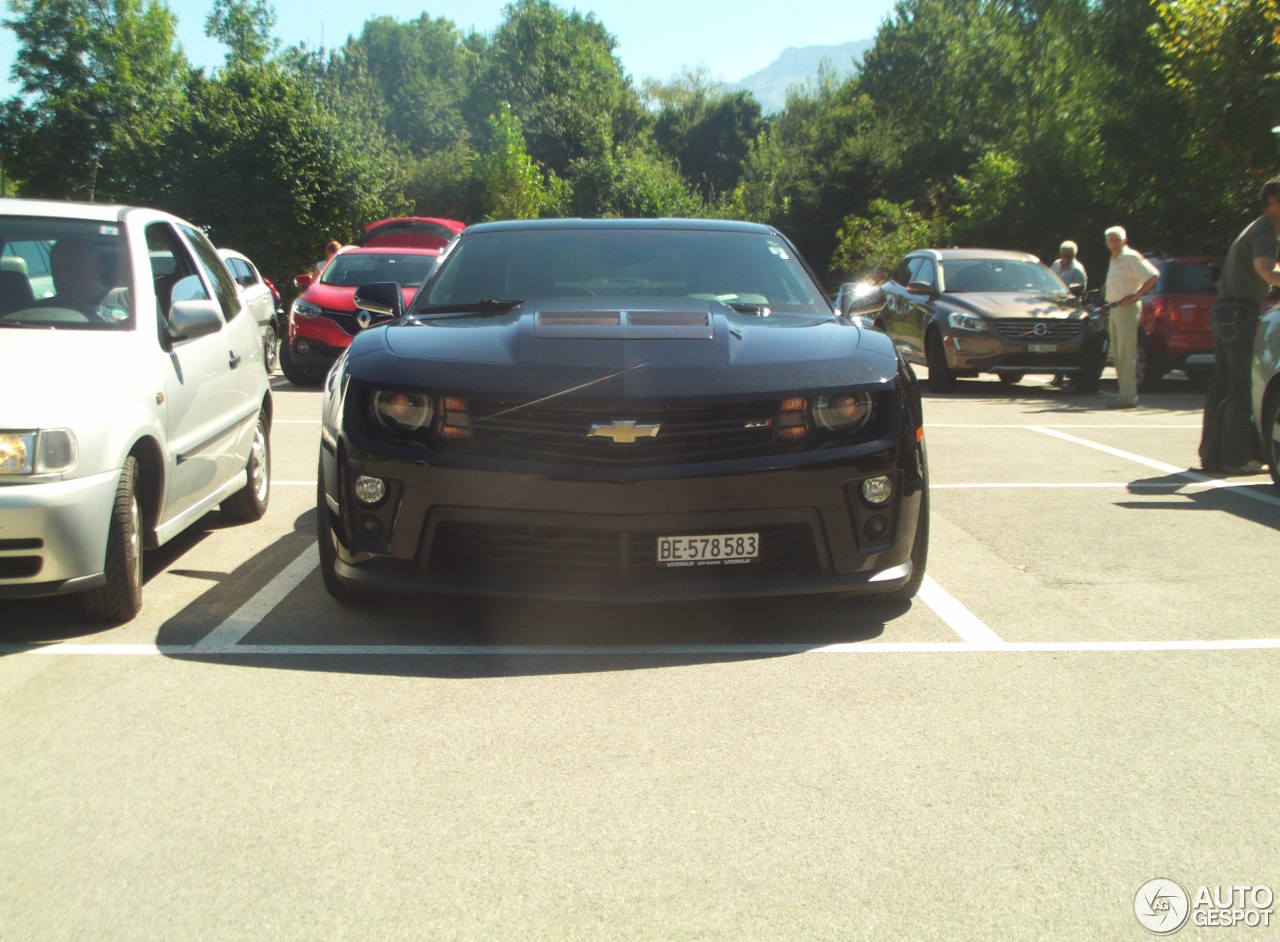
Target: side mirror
381	297
191	319
920	287
1076	290
862	300
302	281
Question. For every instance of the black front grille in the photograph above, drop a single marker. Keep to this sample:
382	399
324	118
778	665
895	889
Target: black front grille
486	549
562	433
347	321
1053	331
20	567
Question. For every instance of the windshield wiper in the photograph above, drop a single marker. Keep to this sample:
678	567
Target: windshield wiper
485	307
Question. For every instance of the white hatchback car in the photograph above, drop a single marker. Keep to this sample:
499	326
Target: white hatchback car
258	296
133	397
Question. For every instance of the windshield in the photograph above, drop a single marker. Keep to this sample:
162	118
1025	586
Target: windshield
352	271
999	275
732	267
69	274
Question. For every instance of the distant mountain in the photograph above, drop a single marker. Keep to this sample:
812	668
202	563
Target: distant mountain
796	66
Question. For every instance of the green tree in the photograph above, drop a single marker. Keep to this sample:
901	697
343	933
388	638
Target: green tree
101	87
511	185
871	246
244	27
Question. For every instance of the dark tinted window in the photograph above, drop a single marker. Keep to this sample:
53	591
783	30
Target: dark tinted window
732	267
924	272
69	274
902	274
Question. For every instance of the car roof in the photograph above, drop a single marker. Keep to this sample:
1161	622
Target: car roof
97	212
387	250
943	255
702	225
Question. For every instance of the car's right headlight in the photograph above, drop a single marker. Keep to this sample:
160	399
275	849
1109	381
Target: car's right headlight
963	321
403	412
305	308
50	451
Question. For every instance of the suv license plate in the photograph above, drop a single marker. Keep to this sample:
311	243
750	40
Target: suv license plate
721	549
1042	348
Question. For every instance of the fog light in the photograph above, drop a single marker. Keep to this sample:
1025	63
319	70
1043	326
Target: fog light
304	347
370	527
878	527
370	490
877	490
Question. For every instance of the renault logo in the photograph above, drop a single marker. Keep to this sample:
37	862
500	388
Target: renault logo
364	319
1040	330
624	431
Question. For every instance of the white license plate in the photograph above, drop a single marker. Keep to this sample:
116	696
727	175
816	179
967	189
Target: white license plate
1042	348
719	549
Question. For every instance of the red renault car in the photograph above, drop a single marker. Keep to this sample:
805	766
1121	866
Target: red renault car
412	232
324	318
1174	331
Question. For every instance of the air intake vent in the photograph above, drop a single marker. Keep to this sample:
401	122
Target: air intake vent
624	325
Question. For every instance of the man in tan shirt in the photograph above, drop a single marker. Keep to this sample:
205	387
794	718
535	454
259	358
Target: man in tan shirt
1129	277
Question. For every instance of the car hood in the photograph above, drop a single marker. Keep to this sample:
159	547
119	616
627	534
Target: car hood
57	378
337	298
512	355
1015	305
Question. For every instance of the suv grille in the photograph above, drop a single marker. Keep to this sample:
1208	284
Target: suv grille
561	433
1054	331
487	548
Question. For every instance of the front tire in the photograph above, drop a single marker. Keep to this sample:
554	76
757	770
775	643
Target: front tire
1087	383
329	550
1271	426
1011	379
120	599
270	349
941	379
294	373
250	502
1148	369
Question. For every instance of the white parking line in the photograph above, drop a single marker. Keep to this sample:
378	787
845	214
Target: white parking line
293	483
1020	425
962	621
663	650
248	615
1160	466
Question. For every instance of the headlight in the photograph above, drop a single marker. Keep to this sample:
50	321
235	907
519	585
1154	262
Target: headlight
305	308
962	321
838	413
47	452
17	452
1097	323
402	412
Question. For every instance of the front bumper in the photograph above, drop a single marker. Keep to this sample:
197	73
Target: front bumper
315	343
468	531
993	354
53	536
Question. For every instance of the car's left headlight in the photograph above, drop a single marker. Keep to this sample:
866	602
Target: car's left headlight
840	413
963	321
49	451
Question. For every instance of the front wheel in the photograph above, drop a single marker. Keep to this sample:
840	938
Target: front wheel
329	549
1148	369
1271	428
120	598
1011	379
250	502
270	348
1087	382
294	373
941	379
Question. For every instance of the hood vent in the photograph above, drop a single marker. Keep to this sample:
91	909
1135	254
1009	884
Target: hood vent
624	325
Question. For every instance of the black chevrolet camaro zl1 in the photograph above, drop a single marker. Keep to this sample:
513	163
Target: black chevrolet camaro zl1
621	411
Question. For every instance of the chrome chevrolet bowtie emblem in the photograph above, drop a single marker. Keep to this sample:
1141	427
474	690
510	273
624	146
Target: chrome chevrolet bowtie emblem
364	319
624	431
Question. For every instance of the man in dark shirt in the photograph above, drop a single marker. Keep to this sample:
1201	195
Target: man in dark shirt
1227	444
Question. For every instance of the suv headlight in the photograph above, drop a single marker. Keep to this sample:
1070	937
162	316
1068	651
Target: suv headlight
305	308
839	413
962	321
50	451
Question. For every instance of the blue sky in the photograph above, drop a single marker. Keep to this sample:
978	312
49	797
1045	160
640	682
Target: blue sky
733	38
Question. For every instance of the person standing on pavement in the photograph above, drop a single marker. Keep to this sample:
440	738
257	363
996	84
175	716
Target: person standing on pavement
1129	277
1069	269
1227	443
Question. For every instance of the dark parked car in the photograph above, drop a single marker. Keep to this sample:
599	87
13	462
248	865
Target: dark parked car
962	312
1174	332
621	410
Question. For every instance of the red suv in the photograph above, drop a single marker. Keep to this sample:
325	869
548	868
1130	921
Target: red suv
417	232
324	318
1175	331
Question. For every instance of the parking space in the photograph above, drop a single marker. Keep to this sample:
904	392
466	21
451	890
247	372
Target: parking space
1078	701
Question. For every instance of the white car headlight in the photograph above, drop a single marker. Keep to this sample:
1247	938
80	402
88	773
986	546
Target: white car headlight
962	321
49	451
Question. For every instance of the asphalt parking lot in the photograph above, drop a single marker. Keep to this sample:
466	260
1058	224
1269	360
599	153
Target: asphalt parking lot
1082	698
